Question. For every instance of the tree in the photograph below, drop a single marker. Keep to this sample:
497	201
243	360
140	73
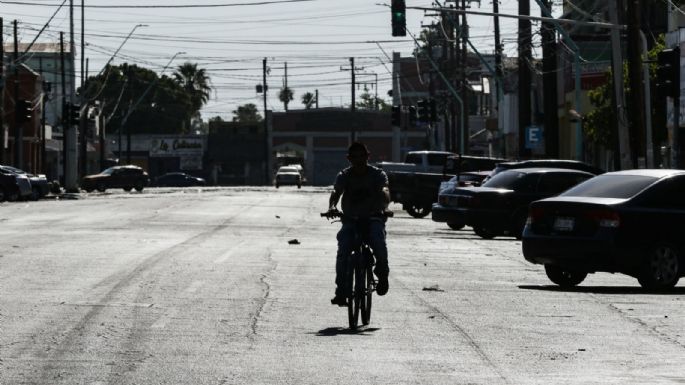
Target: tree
216	119
247	113
285	95
370	102
308	99
196	83
162	111
598	124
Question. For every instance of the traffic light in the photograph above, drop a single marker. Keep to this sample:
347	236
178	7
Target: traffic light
433	111
424	110
397	116
73	114
412	116
24	110
668	72
399	18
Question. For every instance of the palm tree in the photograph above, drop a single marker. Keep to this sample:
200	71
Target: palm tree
308	99
285	95
196	84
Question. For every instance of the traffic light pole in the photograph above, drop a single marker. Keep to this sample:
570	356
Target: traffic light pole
18	134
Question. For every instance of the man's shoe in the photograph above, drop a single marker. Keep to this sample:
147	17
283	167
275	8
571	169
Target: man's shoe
339	300
382	286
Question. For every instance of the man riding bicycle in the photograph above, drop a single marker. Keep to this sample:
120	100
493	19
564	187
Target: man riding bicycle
365	194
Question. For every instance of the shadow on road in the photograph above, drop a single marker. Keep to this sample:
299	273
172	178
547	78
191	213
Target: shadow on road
604	289
330	332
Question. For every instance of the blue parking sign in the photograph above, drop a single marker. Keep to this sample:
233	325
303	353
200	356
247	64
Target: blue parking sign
534	137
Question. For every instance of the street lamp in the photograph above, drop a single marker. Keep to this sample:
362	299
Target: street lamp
120	46
130	110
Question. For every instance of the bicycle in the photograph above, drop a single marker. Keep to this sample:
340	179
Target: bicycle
359	269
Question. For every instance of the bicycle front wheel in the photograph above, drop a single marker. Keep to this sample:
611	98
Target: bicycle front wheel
367	296
353	300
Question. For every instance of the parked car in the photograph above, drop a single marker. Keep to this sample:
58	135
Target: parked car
628	222
500	205
40	187
288	175
178	179
546	163
13	186
126	177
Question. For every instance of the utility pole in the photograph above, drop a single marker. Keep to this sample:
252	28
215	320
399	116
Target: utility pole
317	99
286	87
524	76
637	96
619	96
18	132
464	78
549	81
65	118
267	172
3	137
498	50
353	85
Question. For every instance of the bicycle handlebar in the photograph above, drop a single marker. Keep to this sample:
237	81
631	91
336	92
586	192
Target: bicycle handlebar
339	214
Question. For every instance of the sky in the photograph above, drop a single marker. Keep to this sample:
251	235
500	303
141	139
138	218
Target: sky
230	38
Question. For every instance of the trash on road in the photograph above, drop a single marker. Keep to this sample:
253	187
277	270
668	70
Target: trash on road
294	242
433	288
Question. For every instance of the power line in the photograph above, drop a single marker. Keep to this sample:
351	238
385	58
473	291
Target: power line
168	6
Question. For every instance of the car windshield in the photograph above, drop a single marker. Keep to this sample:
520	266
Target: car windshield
611	186
505	179
14	170
288	169
108	171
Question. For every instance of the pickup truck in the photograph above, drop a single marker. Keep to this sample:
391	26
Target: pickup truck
418	190
418	161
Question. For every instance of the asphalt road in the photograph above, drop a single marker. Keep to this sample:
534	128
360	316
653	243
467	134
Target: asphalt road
200	286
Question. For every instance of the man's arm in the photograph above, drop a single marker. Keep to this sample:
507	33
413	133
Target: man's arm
333	200
386	196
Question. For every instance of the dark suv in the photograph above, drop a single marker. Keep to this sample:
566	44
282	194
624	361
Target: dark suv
126	177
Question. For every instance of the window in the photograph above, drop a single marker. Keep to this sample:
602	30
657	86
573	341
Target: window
611	186
667	194
556	182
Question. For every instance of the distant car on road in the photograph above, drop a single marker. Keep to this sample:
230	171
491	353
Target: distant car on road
630	222
178	179
127	177
500	205
40	187
288	175
14	186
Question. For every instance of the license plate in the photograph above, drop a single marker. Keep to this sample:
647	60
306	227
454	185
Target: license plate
564	223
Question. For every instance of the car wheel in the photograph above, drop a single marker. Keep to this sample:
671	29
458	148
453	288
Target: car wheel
418	211
484	233
564	278
276	185
662	267
89	190
11	196
128	188
101	187
3	194
299	186
456	226
139	186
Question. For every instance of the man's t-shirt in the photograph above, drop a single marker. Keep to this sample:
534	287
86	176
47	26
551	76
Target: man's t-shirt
361	194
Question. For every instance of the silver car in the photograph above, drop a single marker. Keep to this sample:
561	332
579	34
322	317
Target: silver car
288	175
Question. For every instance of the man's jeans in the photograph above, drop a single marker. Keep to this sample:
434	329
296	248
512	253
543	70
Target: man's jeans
346	243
